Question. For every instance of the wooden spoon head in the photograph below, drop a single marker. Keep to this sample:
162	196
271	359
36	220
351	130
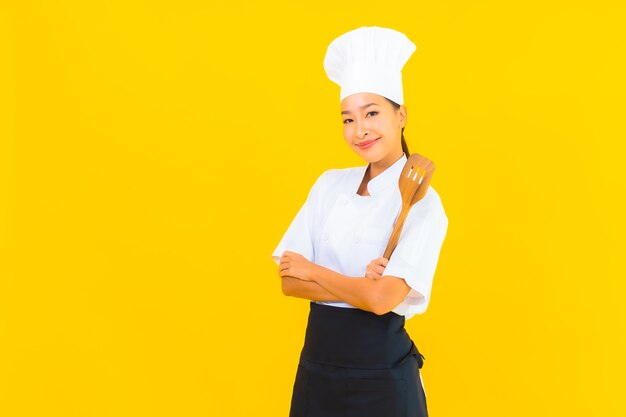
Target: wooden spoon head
415	178
426	175
414	181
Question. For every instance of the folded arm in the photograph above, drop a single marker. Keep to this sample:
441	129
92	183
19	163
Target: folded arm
379	295
309	290
376	295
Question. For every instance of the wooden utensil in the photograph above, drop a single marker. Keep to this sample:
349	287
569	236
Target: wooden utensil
413	183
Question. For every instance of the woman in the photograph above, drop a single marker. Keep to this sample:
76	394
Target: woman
357	358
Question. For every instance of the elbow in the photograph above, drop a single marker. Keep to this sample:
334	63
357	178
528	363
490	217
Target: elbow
380	306
285	287
388	295
382	302
380	310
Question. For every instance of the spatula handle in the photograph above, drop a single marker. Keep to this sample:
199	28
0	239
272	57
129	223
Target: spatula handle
397	230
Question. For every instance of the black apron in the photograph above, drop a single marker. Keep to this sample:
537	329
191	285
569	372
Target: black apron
356	363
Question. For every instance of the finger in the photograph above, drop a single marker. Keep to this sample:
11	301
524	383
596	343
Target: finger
380	260
372	275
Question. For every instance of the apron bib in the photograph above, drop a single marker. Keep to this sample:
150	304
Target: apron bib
355	363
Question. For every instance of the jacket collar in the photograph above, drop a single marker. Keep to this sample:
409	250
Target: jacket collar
386	181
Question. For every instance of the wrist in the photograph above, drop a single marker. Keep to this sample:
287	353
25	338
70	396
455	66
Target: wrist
312	273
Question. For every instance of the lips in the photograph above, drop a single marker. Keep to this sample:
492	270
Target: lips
367	143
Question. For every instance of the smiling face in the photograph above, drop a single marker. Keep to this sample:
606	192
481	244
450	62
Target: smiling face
367	117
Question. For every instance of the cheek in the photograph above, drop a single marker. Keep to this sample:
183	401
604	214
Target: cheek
383	126
387	131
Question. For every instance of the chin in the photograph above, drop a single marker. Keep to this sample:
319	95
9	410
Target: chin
370	156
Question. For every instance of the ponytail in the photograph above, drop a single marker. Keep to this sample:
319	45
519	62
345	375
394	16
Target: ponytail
404	147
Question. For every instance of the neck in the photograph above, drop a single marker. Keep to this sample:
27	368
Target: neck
376	168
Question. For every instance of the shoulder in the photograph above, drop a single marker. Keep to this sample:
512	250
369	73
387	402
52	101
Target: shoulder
336	178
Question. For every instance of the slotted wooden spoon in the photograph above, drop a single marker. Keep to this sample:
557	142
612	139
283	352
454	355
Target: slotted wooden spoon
413	183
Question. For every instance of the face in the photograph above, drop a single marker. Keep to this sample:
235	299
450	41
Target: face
368	116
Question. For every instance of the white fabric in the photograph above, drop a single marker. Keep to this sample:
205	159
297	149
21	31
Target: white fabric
344	231
369	60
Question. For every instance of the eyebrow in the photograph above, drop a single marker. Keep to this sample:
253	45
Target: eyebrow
362	107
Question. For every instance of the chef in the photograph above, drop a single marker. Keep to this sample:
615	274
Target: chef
357	358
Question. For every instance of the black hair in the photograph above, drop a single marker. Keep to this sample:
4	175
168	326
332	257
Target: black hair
405	148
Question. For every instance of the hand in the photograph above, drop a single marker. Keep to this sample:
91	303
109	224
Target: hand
293	264
376	268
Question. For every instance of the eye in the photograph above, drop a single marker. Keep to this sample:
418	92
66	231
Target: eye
375	113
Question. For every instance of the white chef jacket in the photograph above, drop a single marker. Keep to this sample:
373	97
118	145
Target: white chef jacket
344	231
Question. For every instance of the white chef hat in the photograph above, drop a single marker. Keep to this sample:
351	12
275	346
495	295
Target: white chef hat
369	60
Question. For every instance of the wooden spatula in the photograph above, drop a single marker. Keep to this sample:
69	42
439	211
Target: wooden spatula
413	184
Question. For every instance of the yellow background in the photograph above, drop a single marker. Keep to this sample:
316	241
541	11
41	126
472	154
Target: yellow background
153	153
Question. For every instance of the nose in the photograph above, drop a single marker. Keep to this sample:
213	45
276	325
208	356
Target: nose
361	130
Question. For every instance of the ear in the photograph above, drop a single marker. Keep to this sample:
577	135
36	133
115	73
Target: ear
402	113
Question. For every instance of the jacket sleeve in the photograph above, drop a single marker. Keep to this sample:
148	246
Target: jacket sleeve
301	233
417	253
